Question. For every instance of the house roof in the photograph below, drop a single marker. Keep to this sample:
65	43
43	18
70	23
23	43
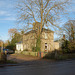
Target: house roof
47	30
43	30
32	31
19	42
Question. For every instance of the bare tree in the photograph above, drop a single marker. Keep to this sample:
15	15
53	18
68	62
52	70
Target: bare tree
43	12
69	30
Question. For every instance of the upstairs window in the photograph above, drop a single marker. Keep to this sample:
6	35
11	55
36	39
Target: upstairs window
46	36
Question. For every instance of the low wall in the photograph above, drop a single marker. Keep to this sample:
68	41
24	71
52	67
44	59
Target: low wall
39	54
30	53
27	53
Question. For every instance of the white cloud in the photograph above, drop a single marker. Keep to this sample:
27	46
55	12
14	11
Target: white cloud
2	13
5	13
6	4
9	18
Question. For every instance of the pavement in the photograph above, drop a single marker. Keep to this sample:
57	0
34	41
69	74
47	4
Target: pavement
40	68
28	65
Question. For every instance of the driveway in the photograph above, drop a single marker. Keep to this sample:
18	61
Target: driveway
20	58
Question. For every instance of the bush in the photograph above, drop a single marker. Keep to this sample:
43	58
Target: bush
66	51
3	57
26	50
33	49
51	55
0	55
68	47
58	55
72	47
64	47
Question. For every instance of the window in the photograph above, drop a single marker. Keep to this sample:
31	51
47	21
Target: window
46	47
46	36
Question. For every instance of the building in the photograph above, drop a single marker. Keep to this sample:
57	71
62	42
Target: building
47	40
19	46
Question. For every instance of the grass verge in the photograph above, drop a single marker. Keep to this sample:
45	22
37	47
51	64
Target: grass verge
8	62
59	56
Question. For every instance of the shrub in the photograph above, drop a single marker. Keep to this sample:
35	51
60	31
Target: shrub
26	50
3	57
0	55
72	47
57	55
68	47
51	55
33	49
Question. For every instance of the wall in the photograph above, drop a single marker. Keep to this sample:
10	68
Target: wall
19	47
56	44
47	37
27	53
29	41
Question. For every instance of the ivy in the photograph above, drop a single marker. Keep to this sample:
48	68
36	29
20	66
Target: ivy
38	44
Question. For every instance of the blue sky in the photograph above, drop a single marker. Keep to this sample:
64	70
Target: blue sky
8	16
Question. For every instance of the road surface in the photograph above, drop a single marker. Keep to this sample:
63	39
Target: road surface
41	68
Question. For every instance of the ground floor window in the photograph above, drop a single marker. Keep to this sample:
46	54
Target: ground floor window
45	47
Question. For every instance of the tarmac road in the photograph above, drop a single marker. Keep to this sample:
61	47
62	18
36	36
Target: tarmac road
41	68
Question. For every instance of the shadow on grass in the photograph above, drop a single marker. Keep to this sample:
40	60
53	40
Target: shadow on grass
8	62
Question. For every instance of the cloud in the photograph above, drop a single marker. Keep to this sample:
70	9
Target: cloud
4	13
6	10
6	3
9	18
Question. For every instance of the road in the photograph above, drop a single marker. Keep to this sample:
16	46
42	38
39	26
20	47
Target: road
41	68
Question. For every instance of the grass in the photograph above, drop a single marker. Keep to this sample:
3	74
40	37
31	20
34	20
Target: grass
11	62
8	62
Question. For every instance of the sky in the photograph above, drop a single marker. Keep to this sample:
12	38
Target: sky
8	17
